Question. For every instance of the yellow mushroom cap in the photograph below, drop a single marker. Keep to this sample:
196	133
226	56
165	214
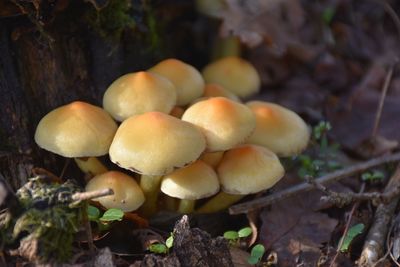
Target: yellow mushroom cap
249	169
155	143
279	129
225	123
212	158
128	195
137	93
188	81
213	90
76	130
234	74
195	181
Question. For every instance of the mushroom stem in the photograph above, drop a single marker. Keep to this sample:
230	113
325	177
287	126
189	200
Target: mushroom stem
226	47
91	165
219	202
186	206
150	185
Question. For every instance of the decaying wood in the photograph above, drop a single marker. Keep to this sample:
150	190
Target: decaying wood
375	242
302	187
192	247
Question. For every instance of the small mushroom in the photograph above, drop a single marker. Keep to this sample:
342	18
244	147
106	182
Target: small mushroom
225	123
77	130
213	90
128	196
137	93
188	81
246	169
195	181
154	144
234	74
278	129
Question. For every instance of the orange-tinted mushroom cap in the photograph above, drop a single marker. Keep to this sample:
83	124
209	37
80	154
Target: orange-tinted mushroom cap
188	81
195	181
155	143
76	130
234	74
279	129
224	122
249	169
128	195
137	93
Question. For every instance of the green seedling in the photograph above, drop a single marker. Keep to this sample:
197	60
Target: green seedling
160	248
234	237
351	234
104	221
257	252
324	153
373	176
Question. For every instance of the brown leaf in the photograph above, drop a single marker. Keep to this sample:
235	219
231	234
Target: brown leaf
263	21
353	117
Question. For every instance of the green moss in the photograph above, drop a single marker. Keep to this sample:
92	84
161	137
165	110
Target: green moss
113	19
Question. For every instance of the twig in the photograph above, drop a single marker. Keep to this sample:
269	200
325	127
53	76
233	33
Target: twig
343	199
92	194
302	187
346	229
378	113
375	241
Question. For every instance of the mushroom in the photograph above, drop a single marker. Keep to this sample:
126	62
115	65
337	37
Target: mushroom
128	196
234	74
195	181
212	158
188	81
137	93
213	90
154	144
77	130
225	123
278	129
246	169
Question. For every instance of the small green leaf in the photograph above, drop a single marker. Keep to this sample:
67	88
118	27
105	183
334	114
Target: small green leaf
231	235
327	14
334	165
256	254
366	176
158	248
378	175
112	215
170	241
245	232
351	234
93	213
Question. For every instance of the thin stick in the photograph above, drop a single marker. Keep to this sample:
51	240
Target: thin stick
302	187
92	194
346	229
378	113
375	241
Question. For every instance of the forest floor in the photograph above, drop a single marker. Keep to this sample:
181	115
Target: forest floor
335	63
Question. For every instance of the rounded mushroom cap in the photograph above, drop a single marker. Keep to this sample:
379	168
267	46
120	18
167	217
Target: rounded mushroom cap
249	169
234	74
225	123
188	81
137	93
278	129
155	143
128	195
213	90
76	130
195	181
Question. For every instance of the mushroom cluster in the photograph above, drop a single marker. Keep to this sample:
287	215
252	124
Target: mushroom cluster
184	132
